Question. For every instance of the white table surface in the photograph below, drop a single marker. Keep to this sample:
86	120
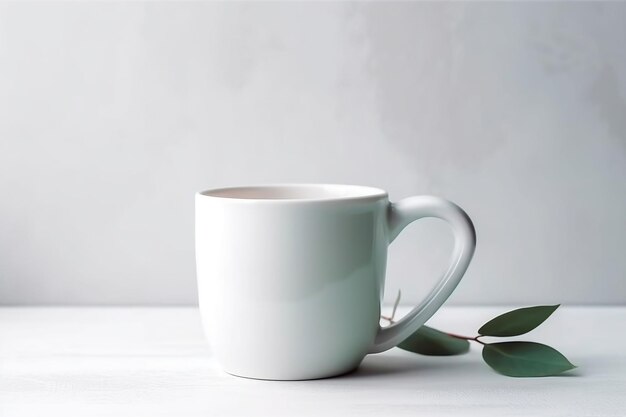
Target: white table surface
155	362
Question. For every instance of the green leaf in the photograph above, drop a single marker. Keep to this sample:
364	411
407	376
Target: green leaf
524	359
517	322
432	342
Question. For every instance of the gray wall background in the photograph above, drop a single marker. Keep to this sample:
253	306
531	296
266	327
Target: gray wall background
113	114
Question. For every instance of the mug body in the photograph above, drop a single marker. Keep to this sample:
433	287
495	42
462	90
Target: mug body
290	277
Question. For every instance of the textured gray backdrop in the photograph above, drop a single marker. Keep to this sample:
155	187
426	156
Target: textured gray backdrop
113	114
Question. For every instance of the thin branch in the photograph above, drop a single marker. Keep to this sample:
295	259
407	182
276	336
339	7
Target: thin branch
475	339
391	320
395	305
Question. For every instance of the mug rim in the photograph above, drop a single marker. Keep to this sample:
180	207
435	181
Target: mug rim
314	192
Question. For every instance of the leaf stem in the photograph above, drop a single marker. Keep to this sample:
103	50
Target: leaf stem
475	339
457	336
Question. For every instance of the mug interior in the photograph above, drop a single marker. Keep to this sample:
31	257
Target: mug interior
296	192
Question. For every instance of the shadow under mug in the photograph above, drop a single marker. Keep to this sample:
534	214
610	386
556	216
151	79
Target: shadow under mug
291	277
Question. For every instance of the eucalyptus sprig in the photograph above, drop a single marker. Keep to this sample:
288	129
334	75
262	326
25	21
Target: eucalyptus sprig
513	358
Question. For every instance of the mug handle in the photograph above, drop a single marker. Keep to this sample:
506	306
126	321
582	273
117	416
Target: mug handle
399	215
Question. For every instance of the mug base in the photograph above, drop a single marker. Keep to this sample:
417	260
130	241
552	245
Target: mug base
292	378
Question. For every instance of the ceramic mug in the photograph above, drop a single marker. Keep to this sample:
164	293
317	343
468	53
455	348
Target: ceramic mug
291	277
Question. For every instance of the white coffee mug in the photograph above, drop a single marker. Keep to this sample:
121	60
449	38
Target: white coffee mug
291	277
